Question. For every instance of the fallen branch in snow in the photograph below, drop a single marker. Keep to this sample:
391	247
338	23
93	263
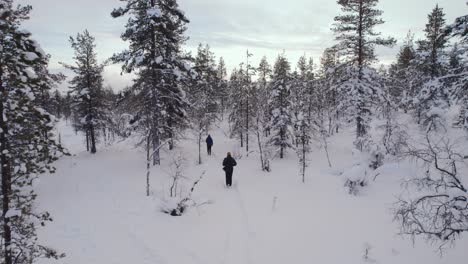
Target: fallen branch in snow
375	176
204	203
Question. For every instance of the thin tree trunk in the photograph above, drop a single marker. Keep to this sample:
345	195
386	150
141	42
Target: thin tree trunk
171	143
155	140
303	159
242	139
260	149
281	147
104	135
156	155
148	164
247	127
325	147
171	135
6	178
93	140
199	148
87	139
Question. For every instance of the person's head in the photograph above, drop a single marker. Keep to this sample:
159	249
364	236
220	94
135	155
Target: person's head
229	154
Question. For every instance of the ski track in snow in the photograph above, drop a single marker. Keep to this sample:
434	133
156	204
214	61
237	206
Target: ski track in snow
236	248
236	242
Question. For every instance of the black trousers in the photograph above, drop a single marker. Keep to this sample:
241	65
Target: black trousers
229	178
209	149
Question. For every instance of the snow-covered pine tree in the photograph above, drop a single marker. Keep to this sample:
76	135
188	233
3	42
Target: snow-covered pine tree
297	96
237	104
280	108
303	143
242	94
405	78
261	124
221	88
155	32
302	94
86	89
67	102
202	95
327	88
264	73
458	74
357	39
455	57
308	76
433	96
27	145
431	50
44	97
250	90
57	104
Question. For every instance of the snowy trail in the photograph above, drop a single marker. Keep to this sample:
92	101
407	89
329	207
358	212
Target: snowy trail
101	214
236	245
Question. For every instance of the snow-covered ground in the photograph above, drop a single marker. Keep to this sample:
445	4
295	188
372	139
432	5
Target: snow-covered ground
101	214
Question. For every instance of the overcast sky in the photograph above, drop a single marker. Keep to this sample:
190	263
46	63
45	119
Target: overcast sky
229	26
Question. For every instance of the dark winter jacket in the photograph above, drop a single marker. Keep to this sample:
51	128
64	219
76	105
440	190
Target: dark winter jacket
209	141
229	163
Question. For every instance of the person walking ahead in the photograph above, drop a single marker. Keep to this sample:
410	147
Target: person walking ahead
209	144
228	166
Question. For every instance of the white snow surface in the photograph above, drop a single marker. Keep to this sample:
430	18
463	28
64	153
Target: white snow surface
101	214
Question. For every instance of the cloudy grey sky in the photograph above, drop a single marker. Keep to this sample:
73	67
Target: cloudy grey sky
229	26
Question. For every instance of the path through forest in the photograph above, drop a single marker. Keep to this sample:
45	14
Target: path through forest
102	215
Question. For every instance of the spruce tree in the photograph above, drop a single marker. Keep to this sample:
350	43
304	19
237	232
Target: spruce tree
328	84
221	88
281	117
404	75
432	63
264	73
67	102
302	94
237	104
57	104
155	32
249	89
202	95
432	48
86	89
27	145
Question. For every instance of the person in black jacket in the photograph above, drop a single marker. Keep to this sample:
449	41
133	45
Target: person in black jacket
209	144
228	166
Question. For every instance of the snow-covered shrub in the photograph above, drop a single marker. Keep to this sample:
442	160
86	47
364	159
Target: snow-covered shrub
353	186
376	159
362	171
356	176
176	207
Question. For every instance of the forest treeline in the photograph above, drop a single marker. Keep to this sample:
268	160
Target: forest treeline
274	108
